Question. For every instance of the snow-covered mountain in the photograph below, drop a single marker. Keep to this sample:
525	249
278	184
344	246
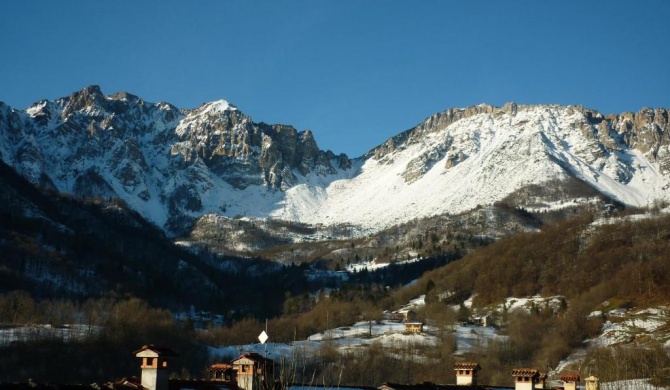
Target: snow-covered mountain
175	166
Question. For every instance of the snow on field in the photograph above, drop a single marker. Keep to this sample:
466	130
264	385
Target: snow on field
553	302
630	218
360	335
558	205
388	333
471	338
413	304
626	325
371	265
68	332
634	384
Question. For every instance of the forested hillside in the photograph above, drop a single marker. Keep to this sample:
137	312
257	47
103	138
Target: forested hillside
61	247
585	259
593	265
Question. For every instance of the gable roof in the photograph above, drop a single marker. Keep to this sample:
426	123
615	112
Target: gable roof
525	372
220	367
570	377
154	351
254	357
467	366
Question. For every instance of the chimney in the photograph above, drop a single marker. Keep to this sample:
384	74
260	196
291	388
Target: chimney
525	378
570	381
155	367
591	383
466	373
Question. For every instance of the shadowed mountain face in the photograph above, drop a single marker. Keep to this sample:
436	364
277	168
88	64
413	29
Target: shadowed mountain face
175	166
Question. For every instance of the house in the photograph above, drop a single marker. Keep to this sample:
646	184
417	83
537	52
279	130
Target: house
252	370
413	327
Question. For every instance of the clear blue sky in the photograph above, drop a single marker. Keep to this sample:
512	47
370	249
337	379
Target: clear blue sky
355	72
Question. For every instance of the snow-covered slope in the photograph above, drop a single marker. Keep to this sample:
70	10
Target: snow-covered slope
478	160
175	166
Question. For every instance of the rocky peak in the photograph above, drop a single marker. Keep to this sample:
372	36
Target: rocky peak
90	97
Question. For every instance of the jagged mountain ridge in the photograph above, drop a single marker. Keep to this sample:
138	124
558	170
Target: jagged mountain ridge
171	165
174	166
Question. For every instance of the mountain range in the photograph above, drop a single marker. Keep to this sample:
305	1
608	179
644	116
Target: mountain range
176	167
107	197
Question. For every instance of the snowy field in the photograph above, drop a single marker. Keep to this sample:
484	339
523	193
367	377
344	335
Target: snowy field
12	333
386	333
390	334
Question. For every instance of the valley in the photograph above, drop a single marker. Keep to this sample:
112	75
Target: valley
126	222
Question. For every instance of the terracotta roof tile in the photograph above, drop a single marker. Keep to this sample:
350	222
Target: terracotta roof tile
220	367
570	377
467	366
525	372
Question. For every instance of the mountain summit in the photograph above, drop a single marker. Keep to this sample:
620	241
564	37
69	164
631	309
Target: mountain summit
170	165
174	166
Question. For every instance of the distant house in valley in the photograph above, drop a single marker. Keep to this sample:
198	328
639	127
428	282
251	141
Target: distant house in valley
484	320
409	318
413	327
